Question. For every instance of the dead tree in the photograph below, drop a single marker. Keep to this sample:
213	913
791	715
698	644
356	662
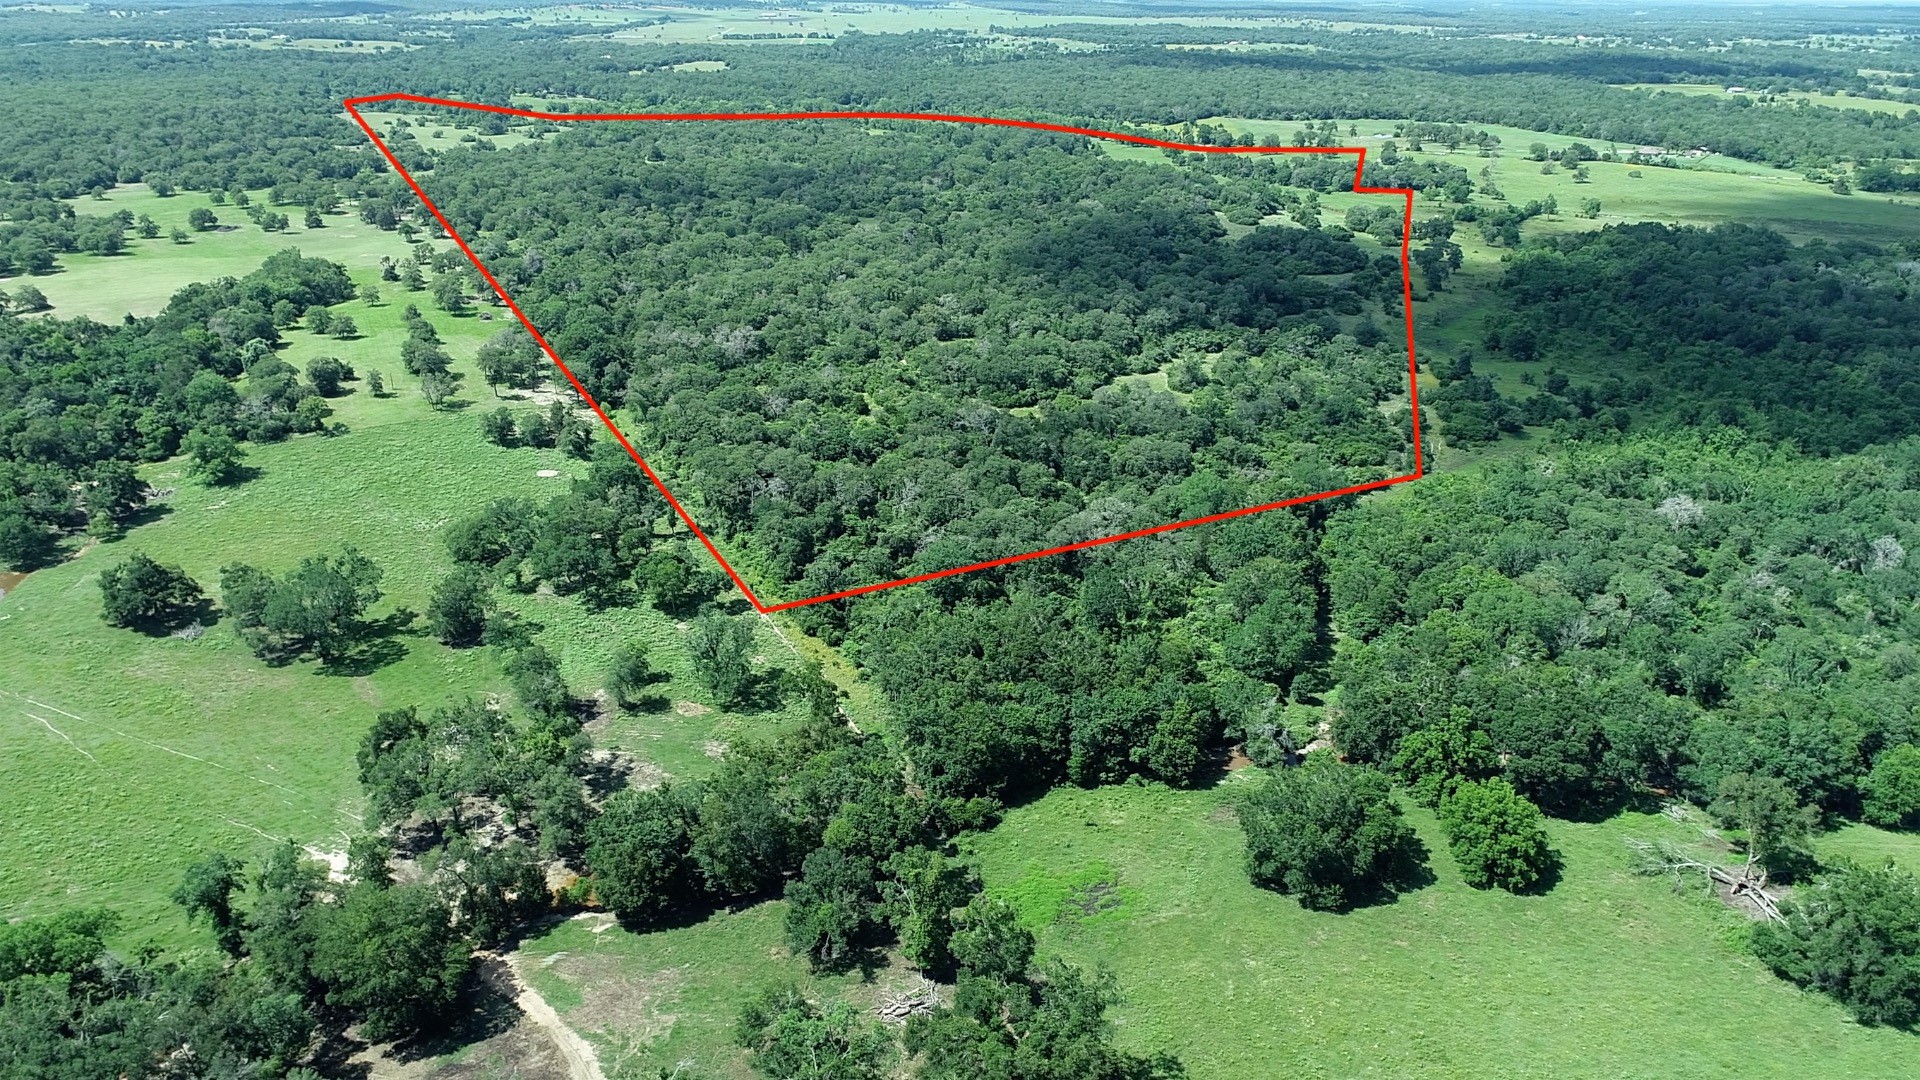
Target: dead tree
896	1005
1745	885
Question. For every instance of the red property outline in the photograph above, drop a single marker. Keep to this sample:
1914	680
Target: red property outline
1360	161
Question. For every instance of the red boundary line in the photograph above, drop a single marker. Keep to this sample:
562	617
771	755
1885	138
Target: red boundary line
1360	160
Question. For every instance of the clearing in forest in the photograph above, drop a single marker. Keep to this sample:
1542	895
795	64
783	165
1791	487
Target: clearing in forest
353	106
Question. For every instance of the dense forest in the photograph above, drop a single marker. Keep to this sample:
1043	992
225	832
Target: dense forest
917	368
1812	344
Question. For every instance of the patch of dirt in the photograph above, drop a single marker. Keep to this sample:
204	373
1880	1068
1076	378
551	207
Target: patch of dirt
603	713
609	770
547	473
522	1052
336	862
714	748
1237	758
614	997
547	395
1224	813
581	1061
690	708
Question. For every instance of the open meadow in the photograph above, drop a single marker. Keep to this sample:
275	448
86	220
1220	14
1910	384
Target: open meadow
1789	100
147	752
1608	974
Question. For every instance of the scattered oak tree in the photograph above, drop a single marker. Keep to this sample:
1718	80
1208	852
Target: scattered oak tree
143	594
316	608
214	457
460	606
1436	760
1325	833
326	373
787	1037
393	956
721	647
640	852
630	675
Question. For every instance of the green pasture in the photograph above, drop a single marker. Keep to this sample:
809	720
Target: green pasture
1787	100
1608	974
131	755
142	279
445	129
1706	191
696	25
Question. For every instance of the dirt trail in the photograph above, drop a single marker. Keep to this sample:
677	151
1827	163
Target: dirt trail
582	1062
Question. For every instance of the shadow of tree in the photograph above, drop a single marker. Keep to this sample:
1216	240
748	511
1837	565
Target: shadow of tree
201	612
486	1009
147	514
375	645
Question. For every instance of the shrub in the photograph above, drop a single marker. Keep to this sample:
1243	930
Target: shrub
1496	836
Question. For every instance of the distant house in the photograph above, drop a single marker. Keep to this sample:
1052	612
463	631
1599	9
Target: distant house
1736	89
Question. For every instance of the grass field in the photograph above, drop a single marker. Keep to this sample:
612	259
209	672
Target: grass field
141	280
1609	974
652	1001
1790	100
143	752
1708	191
695	25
